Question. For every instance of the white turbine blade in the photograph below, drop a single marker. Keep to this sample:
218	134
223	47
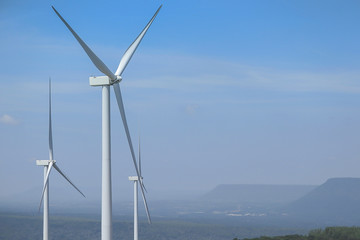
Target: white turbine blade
141	178
122	113
140	159
123	116
58	169
50	125
142	182
145	203
130	51
46	182
97	62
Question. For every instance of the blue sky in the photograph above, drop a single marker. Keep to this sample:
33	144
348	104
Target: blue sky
220	91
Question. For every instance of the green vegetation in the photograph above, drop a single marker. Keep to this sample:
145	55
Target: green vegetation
287	237
338	233
329	233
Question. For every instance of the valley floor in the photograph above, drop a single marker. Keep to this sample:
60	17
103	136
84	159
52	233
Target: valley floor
20	226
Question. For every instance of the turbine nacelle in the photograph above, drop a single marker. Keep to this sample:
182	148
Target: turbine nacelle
134	178
103	80
44	162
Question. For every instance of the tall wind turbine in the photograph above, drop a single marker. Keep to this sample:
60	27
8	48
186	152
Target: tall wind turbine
136	179
105	82
48	165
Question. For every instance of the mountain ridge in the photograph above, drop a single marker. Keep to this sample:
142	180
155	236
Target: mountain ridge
337	198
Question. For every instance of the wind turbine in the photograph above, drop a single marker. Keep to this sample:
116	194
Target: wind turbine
105	82
48	165
136	179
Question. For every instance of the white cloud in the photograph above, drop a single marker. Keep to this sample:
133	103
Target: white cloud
9	120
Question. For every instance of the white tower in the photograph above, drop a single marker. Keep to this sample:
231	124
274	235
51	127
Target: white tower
135	179
45	163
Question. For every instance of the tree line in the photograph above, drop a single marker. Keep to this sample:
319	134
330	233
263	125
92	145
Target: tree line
329	233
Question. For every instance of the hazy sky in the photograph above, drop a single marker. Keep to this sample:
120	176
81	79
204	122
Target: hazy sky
221	92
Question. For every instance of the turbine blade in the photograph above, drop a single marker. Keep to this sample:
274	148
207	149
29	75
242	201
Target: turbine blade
141	179
51	155
46	182
58	169
142	182
123	116
97	62
145	203
140	159
131	50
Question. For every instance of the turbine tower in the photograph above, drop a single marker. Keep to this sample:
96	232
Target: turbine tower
48	165
136	179
105	82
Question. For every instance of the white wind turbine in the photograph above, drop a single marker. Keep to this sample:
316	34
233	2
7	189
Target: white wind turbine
136	179
105	82
48	165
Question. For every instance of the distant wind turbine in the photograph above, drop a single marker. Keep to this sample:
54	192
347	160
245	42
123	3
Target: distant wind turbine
48	165
105	82
136	179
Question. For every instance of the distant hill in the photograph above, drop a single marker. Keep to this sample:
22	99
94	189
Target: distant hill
337	200
257	193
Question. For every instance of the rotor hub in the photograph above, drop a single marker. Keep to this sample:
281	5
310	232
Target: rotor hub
118	79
